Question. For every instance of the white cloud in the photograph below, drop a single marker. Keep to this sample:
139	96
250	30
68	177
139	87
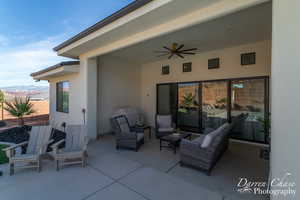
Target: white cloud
17	63
4	41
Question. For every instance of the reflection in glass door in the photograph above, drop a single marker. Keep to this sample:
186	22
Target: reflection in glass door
196	106
188	106
214	104
248	98
167	100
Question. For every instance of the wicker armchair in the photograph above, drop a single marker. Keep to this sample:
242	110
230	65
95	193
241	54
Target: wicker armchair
125	138
164	125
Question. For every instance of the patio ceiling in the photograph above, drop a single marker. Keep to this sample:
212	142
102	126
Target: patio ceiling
247	26
152	20
144	18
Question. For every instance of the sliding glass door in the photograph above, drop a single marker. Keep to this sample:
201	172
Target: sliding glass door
167	100
196	106
248	97
214	104
188	106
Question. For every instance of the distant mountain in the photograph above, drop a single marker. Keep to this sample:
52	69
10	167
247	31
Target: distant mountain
39	92
24	88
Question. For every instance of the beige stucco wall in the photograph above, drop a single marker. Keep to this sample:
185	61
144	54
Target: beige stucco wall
74	116
230	67
118	86
83	95
285	94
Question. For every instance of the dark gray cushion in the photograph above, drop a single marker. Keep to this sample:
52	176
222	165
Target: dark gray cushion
199	140
164	121
210	138
123	124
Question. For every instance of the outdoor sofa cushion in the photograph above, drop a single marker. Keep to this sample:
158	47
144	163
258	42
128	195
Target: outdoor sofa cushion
123	123
164	121
208	139
199	140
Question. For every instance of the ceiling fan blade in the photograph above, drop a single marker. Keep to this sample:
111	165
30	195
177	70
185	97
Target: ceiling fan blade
188	53
193	49
179	55
161	51
163	55
170	56
180	47
168	48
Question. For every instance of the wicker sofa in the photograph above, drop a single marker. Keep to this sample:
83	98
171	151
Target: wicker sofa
194	154
203	154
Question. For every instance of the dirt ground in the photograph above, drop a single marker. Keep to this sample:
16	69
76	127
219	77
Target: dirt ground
41	108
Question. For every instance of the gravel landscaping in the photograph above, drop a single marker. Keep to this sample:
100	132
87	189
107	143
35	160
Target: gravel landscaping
17	135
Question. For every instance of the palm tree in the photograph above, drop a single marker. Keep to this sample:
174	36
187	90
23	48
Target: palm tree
19	108
2	99
189	101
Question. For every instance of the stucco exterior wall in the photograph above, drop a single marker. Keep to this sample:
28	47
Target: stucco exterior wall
82	95
118	86
285	94
230	67
74	116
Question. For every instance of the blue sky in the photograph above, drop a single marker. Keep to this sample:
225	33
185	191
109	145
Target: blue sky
30	29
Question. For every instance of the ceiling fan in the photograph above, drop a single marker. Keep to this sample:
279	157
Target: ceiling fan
176	50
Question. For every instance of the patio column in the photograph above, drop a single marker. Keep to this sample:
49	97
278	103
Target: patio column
285	94
89	84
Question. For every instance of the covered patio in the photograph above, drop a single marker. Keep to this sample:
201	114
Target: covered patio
132	76
148	174
120	68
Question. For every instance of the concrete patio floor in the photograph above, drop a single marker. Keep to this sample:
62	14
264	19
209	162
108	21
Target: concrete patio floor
148	174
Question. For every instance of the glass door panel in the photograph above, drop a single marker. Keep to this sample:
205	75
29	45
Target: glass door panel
188	106
167	100
209	104
214	104
163	99
248	98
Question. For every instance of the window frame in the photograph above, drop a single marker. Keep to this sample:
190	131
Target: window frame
60	102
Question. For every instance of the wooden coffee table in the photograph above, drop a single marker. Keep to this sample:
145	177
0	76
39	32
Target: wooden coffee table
173	140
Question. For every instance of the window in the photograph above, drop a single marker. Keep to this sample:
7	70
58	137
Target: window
198	105
62	96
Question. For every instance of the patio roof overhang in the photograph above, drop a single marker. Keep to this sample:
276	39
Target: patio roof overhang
247	26
148	21
60	69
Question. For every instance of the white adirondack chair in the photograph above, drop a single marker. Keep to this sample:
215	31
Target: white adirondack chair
75	151
39	139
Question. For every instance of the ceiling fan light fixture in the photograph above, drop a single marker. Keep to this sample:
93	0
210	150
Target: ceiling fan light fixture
174	46
177	50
